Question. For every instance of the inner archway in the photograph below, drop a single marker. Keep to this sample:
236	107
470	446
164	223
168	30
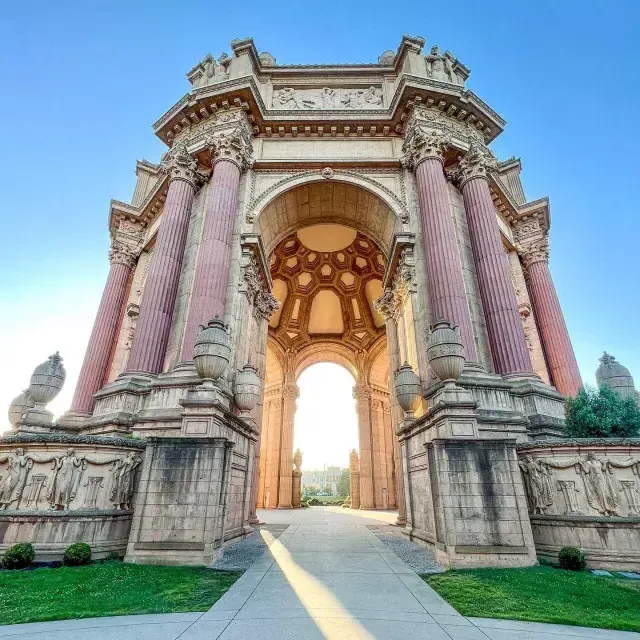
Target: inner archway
325	426
327	275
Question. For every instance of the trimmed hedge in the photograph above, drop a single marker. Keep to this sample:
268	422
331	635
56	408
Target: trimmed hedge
572	559
19	556
77	554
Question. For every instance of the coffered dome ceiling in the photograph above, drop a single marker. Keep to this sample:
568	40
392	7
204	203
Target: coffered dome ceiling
326	278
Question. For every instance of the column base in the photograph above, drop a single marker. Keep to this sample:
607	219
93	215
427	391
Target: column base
400	522
254	520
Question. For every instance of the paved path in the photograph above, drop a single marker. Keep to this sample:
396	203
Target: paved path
326	577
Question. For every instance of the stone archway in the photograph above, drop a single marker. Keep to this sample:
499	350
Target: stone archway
328	245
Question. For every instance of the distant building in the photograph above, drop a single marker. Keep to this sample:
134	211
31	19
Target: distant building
321	478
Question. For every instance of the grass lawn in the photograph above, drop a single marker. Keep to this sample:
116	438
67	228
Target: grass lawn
109	589
543	594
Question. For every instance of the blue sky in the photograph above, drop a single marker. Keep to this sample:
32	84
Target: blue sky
81	84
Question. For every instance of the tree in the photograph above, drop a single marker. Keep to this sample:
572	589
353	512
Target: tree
344	484
602	413
310	490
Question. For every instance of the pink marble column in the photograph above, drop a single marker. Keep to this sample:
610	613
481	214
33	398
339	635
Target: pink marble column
159	295
506	336
556	343
362	396
445	283
290	393
103	335
212	267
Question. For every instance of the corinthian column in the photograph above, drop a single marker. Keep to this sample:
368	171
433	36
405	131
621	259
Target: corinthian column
290	393
506	336
161	286
556	343
423	152
103	335
230	156
362	396
387	308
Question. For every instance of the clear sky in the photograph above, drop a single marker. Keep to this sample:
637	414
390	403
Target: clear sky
81	83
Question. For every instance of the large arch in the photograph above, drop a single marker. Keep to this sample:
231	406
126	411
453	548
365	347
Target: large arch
350	276
313	200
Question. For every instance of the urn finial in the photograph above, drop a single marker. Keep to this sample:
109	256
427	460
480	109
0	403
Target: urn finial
408	390
212	352
246	390
445	351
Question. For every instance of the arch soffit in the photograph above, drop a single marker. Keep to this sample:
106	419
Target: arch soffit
258	207
325	352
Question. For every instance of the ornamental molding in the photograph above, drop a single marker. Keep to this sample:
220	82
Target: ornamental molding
256	204
265	304
255	281
386	306
421	143
355	97
534	251
461	133
179	164
234	146
477	162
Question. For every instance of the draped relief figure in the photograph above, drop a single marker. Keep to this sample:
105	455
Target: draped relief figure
537	479
13	485
599	485
66	477
123	477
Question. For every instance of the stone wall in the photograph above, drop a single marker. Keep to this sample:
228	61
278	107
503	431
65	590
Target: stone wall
585	493
57	489
189	499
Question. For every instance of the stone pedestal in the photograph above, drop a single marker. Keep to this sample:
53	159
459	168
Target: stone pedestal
354	481
290	393
296	489
362	395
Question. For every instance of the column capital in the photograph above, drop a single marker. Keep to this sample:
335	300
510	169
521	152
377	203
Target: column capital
361	392
477	162
290	391
421	143
180	165
123	253
386	305
534	251
233	146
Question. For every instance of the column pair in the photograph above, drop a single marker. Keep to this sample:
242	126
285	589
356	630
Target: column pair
424	152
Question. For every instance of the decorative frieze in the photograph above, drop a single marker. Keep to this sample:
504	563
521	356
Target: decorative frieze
607	484
327	98
67	481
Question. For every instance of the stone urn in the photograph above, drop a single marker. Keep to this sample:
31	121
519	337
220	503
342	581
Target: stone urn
297	459
47	380
246	389
408	389
212	351
445	351
18	406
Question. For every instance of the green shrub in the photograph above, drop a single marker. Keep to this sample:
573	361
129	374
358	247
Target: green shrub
572	559
602	413
77	554
18	556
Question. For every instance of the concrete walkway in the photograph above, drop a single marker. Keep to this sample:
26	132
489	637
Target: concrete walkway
326	576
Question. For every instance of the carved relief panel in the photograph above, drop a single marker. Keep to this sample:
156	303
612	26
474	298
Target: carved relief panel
328	98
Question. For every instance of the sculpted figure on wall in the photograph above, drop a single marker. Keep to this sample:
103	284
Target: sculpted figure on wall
123	471
444	68
209	71
13	484
599	485
65	480
537	480
327	98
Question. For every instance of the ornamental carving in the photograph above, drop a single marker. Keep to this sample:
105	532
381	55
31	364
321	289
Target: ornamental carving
209	71
421	143
67	481
386	305
265	304
327	98
445	68
535	251
123	253
234	146
179	164
477	162
591	485
433	118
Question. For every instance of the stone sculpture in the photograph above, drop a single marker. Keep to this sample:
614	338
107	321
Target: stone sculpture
327	98
124	470
14	483
537	480
66	478
209	71
599	485
445	351
212	351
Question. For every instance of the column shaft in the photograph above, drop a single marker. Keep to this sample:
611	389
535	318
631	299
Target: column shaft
363	407
445	282
558	350
212	267
159	295
289	394
103	335
506	336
